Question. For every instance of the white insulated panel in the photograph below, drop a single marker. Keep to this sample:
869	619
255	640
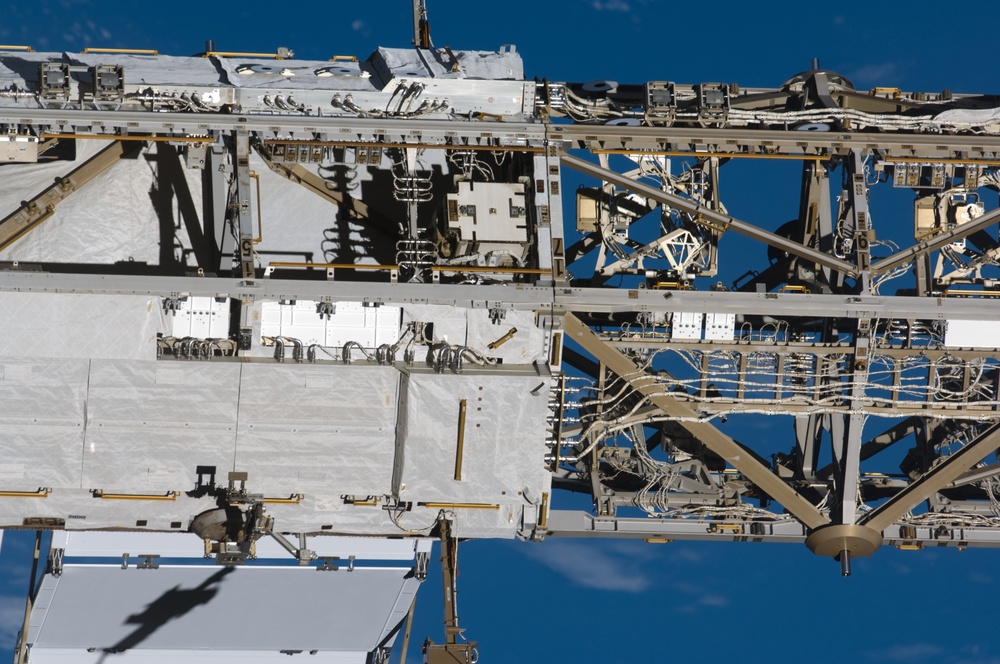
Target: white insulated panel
62	325
525	346
218	614
488	212
687	326
202	318
503	438
150	424
720	327
350	321
311	429
42	410
972	334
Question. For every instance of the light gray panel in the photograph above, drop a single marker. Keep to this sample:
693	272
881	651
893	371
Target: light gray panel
111	219
56	325
472	64
161	70
504	437
173	393
295	219
188	545
150	424
299	75
317	429
174	655
212	608
449	322
42	405
527	345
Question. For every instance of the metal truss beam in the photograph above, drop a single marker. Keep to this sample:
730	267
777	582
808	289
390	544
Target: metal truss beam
734	142
520	295
709	218
714	439
771	143
572	523
42	206
791	347
936	242
190	126
776	304
479	296
933	480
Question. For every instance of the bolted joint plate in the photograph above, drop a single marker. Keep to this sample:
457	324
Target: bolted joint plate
830	541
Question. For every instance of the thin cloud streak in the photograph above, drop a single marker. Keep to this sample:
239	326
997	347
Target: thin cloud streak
589	565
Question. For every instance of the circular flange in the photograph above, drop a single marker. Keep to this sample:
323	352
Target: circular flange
813	126
831	541
210	525
624	122
600	86
337	70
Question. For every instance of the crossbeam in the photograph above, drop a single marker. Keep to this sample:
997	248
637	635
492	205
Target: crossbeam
710	218
715	440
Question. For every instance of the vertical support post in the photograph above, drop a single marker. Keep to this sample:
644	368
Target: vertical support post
808	434
421	28
22	645
243	212
451	652
849	457
857	195
407	629
817	222
215	179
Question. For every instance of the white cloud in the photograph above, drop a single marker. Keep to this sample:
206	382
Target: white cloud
611	5
717	601
908	652
592	565
357	25
881	74
684	555
700	596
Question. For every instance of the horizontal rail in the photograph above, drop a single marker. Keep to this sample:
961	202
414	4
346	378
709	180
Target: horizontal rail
132	137
127	51
169	496
460	506
41	493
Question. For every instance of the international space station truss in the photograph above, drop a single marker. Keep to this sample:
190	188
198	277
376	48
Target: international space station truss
256	307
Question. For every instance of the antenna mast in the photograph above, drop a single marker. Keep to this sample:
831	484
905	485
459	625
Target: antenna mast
421	28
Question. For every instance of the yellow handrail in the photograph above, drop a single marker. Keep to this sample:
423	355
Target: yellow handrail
459	506
130	51
295	499
239	54
170	495
41	493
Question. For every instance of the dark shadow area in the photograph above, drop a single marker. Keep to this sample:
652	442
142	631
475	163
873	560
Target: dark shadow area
171	605
170	185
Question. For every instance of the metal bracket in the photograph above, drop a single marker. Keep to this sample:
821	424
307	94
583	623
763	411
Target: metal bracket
148	561
56	562
171	305
420	567
497	314
327	564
